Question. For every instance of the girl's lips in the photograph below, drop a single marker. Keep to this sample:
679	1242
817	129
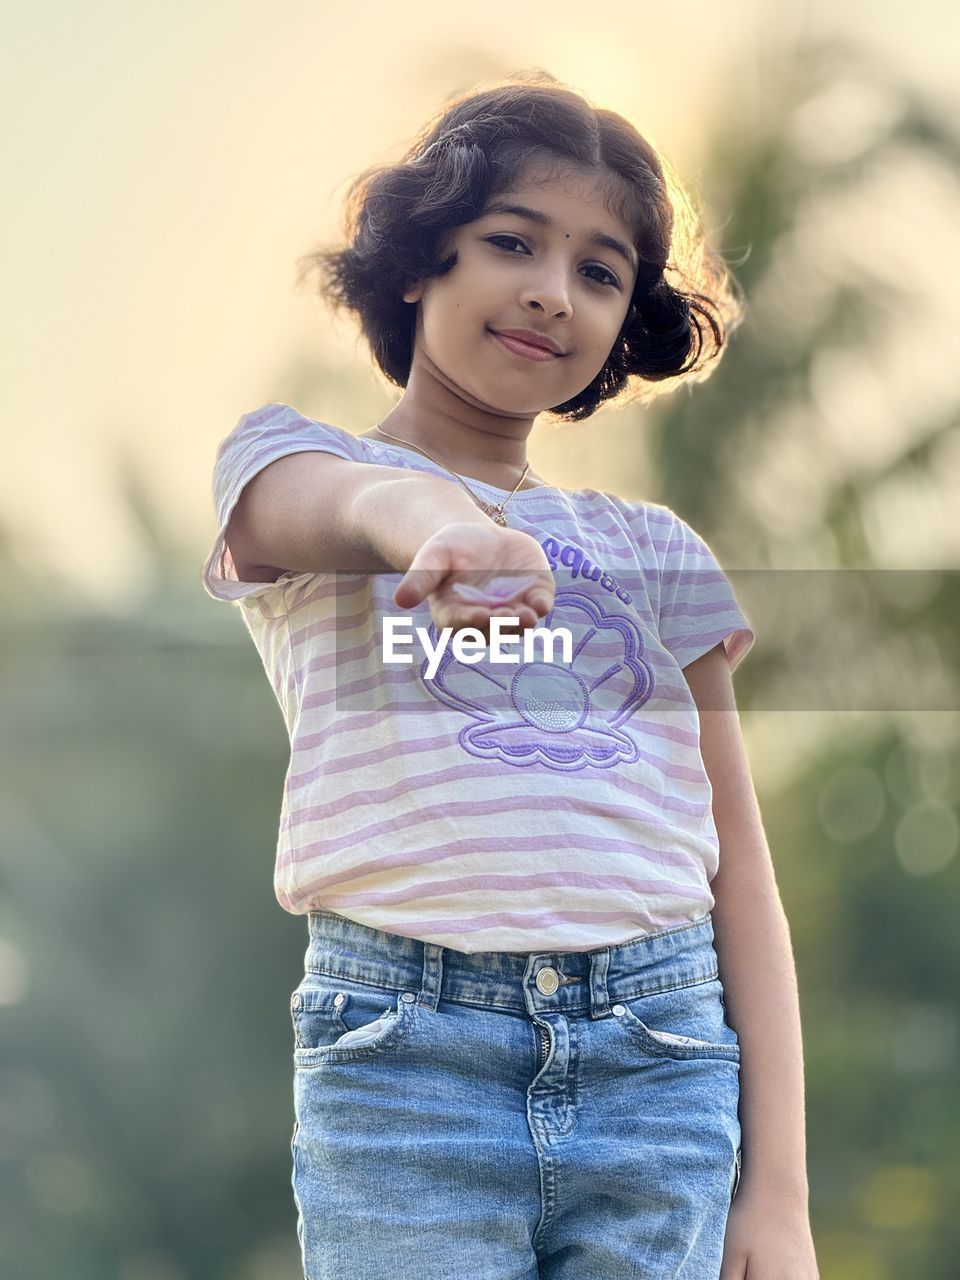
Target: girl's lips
526	349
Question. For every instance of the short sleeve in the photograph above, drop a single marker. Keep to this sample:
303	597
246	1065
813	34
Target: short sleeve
258	439
698	607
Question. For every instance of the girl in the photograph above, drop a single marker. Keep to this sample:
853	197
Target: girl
514	1054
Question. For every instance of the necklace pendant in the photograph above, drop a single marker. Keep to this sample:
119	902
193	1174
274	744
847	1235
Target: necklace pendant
495	513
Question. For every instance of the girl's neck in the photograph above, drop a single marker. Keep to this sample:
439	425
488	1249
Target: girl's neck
460	433
497	474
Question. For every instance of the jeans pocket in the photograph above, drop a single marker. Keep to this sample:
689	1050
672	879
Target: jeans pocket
336	1017
682	1022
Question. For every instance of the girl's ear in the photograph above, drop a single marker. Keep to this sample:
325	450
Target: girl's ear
414	293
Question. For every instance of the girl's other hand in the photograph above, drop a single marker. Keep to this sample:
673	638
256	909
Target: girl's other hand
465	570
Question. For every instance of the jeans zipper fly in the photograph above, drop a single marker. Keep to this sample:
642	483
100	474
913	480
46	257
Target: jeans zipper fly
544	1044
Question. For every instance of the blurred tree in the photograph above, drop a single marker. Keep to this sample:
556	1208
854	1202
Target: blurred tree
760	462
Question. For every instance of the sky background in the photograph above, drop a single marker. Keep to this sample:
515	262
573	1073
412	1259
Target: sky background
167	164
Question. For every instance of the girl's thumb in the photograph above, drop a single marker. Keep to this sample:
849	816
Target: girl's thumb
416	585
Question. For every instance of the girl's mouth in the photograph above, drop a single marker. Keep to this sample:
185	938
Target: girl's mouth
526	349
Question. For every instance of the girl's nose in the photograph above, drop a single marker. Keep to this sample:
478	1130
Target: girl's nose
552	301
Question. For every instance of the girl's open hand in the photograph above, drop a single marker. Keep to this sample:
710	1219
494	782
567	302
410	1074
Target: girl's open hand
471	572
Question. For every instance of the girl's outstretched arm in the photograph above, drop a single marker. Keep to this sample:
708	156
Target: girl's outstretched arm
768	1226
313	511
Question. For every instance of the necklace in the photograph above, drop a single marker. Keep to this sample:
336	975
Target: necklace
495	512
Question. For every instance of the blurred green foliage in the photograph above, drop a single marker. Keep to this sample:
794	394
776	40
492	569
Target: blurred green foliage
145	967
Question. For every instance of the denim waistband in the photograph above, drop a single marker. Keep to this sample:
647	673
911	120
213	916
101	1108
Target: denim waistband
578	981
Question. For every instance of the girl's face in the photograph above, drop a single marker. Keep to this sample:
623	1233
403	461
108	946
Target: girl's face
567	273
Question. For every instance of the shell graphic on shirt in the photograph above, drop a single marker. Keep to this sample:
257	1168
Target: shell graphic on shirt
566	716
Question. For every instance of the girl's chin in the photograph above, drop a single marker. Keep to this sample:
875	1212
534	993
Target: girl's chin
506	396
518	401
521	404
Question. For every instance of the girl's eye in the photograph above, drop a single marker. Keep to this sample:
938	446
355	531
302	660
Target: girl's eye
610	280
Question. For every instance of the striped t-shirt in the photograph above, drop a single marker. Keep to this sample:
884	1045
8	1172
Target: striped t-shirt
544	806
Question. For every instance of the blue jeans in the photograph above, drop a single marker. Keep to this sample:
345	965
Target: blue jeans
512	1115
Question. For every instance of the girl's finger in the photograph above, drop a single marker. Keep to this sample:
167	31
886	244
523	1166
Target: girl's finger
416	585
540	602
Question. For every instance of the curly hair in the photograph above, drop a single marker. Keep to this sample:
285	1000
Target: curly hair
396	216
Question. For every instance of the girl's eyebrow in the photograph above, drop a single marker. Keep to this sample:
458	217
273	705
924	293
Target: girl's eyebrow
534	215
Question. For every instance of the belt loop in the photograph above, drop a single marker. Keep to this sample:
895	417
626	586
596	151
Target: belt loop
432	976
599	999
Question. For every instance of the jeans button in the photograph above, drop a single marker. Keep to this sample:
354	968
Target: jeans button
548	980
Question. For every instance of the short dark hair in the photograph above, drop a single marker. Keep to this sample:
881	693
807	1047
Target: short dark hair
479	145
